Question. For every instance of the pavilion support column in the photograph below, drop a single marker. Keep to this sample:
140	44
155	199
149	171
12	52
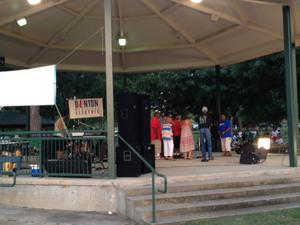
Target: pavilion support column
109	89
218	90
291	86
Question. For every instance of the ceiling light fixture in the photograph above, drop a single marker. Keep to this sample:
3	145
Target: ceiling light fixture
22	22
196	1
34	2
122	41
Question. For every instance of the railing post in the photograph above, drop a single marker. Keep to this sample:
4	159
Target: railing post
40	155
153	198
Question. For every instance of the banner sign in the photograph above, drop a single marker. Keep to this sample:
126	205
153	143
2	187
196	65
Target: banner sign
85	108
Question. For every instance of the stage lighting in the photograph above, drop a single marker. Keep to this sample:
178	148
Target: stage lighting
22	22
264	143
122	41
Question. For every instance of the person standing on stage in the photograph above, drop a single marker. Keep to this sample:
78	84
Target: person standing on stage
176	129
60	126
155	133
167	136
225	135
187	144
205	123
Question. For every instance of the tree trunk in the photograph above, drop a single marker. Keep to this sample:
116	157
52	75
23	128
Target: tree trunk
35	118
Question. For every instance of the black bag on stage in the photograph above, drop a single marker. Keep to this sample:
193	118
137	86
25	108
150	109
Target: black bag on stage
248	155
249	158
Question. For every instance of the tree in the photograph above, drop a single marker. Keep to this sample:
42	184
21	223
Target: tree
252	91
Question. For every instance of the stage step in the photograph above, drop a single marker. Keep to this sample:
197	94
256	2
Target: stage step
215	205
214	184
194	217
187	197
194	201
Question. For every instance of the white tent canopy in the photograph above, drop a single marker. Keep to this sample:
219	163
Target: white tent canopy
161	34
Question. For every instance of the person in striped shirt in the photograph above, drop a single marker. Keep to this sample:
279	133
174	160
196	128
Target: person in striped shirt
167	136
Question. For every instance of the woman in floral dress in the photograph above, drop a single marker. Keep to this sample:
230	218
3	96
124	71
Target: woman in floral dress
187	140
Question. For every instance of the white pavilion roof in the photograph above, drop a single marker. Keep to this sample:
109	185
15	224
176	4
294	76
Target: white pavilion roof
161	34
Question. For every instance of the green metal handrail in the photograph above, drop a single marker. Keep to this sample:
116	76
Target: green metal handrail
45	132
56	138
154	172
9	173
31	142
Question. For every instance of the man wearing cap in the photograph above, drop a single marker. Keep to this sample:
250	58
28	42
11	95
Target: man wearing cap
205	122
156	133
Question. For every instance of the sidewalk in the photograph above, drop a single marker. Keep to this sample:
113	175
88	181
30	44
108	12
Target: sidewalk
25	216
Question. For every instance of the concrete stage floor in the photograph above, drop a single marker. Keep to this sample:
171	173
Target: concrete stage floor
220	164
181	170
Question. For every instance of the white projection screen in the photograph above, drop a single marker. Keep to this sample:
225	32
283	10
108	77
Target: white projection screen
29	87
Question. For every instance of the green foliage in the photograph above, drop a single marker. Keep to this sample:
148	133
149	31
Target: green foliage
253	91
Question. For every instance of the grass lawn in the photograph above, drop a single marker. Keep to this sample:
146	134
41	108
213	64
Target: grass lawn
281	217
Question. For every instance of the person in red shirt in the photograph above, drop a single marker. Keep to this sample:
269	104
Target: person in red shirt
176	129
156	133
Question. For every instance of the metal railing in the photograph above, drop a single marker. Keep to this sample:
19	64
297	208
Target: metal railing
9	173
154	172
47	153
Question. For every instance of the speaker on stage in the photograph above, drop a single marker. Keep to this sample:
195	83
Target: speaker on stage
252	155
134	118
128	114
144	119
148	153
247	154
128	164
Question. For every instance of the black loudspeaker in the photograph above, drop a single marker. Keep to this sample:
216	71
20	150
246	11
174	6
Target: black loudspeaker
128	164
248	157
144	119
75	167
128	117
148	153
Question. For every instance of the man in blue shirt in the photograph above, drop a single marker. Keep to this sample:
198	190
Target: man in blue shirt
225	135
